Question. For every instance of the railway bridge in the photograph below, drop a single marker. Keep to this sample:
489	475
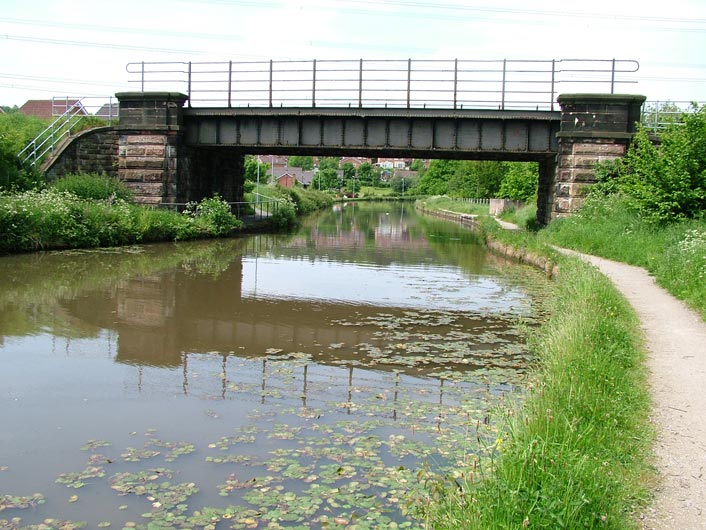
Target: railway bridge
176	146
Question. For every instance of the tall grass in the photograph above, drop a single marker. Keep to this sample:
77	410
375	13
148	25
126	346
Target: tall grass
674	253
576	455
92	186
49	218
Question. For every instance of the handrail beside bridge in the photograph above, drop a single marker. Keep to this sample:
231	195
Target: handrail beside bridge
455	84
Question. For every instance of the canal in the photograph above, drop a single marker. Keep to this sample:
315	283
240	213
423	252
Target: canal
313	379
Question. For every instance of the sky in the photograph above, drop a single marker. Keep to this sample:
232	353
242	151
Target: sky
81	48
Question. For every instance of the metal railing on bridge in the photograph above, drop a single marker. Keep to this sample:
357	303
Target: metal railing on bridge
69	113
658	115
455	84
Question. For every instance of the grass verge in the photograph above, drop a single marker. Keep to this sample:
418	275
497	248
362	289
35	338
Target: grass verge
577	454
674	253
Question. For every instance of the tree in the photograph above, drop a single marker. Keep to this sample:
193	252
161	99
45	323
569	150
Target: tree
418	165
667	182
328	162
402	184
476	178
436	180
368	174
520	181
348	171
326	179
252	167
16	131
304	162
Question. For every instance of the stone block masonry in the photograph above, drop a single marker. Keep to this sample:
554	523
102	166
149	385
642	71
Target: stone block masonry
149	138
595	128
148	164
92	151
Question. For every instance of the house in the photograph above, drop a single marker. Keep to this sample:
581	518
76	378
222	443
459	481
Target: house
109	111
394	163
286	180
356	161
48	109
288	177
278	164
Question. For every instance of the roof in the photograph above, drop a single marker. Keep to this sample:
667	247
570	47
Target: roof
109	110
50	108
303	177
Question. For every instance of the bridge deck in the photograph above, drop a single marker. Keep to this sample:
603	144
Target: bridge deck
422	133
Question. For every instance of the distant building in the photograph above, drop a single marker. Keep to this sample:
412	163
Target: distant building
394	163
108	111
356	161
288	177
48	109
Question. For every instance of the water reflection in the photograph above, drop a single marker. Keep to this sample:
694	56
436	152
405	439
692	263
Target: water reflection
303	292
363	345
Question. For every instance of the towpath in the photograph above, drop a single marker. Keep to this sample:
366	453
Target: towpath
675	338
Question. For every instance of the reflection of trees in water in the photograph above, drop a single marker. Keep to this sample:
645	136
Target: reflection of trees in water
32	286
165	300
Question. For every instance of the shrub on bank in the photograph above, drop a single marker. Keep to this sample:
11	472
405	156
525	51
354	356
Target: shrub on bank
92	186
294	202
49	218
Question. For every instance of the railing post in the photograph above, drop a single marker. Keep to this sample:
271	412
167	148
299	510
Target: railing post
230	81
313	85
360	85
455	82
502	105
409	81
188	92
612	78
551	101
142	78
270	82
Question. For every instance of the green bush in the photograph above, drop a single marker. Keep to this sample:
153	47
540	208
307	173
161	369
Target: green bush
213	217
294	202
92	186
16	131
285	215
667	182
50	218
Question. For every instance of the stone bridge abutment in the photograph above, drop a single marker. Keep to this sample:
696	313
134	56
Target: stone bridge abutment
171	154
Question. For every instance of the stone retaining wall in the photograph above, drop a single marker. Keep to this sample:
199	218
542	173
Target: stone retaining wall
92	151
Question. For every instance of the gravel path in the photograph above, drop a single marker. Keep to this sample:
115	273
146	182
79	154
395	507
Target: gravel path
676	343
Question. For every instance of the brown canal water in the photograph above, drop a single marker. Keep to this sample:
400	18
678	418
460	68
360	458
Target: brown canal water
309	380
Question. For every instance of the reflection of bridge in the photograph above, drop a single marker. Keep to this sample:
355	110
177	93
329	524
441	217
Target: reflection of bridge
169	153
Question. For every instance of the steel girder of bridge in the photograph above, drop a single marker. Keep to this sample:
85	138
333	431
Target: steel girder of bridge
418	133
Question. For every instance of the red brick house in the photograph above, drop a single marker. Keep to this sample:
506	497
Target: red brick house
287	178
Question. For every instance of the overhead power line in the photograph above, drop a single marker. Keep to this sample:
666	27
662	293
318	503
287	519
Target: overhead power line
96	44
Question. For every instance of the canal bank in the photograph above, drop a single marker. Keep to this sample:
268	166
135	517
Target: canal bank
577	455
